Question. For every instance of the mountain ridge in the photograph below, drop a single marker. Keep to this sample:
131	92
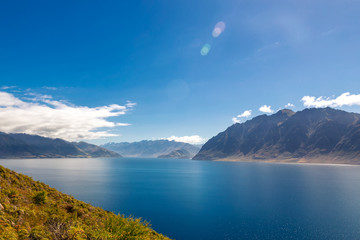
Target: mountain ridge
150	148
20	145
322	135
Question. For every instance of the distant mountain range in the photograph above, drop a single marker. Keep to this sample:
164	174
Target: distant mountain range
151	149
317	135
33	146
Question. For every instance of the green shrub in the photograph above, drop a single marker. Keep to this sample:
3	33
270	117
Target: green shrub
39	197
39	233
77	233
8	234
23	234
12	193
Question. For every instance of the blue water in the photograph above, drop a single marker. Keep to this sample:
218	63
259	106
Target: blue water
187	199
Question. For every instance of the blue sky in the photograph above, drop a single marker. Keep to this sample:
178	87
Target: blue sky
99	53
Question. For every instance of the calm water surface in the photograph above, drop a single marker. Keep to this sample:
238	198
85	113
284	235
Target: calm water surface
187	199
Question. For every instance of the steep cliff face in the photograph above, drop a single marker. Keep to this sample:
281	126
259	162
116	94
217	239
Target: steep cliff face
311	135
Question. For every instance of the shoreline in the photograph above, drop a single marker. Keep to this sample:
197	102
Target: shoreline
295	161
244	160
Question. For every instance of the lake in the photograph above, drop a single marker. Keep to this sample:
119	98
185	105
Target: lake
186	199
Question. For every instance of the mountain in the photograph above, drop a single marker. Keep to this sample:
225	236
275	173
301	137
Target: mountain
33	146
317	135
95	151
30	209
178	154
148	148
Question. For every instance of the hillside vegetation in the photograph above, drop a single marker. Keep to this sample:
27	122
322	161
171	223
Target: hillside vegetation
32	210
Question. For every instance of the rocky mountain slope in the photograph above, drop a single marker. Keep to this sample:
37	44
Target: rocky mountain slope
322	135
33	146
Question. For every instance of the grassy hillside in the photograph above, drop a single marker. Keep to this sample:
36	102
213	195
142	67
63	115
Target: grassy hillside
32	210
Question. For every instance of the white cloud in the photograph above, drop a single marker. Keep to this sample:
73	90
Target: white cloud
7	87
289	105
245	114
194	139
50	88
266	109
41	115
8	100
345	99
235	120
130	104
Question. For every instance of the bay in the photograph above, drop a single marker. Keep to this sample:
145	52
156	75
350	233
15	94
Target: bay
186	199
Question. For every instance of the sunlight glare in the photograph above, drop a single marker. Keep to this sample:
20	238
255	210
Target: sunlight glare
218	29
205	49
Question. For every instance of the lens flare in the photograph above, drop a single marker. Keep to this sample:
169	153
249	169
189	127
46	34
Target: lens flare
205	49
218	29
